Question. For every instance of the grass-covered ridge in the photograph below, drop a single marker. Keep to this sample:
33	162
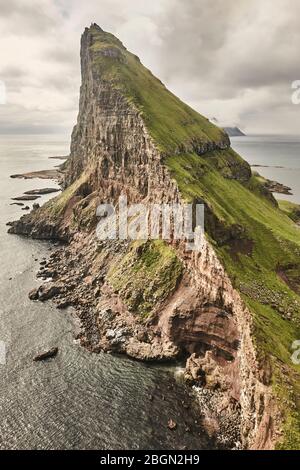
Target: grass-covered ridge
291	209
172	123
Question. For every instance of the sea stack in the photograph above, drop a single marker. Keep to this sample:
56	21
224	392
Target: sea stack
221	309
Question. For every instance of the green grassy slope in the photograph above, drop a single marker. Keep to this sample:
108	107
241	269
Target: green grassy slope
146	276
291	209
272	244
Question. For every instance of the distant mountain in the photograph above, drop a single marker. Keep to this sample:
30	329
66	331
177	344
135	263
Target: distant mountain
234	131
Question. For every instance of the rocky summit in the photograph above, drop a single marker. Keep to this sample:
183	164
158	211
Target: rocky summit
231	310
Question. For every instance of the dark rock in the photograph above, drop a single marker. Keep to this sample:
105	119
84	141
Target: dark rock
48	273
279	188
48	292
97	292
63	304
60	157
42	191
43	174
46	355
34	294
25	198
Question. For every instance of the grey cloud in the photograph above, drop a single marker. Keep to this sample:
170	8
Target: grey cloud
10	72
26	17
193	33
62	83
63	55
231	59
219	50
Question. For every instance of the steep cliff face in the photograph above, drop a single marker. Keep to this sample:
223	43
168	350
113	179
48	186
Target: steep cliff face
111	141
154	300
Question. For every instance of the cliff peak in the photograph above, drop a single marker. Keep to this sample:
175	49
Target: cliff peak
96	26
173	125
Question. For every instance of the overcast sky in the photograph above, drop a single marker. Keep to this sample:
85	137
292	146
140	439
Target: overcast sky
233	60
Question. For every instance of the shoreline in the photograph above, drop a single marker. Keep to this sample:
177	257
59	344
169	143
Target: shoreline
275	157
223	433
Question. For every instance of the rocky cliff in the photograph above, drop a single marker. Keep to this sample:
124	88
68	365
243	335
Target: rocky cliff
219	309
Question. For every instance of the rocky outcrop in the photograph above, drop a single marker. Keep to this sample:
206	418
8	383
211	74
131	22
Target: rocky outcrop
201	316
275	187
46	355
41	191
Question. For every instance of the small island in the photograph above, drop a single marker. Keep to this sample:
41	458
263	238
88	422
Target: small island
234	132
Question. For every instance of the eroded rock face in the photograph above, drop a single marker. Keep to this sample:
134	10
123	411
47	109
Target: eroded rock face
110	142
203	318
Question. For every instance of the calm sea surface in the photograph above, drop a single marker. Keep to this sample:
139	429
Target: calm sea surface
77	400
273	152
82	400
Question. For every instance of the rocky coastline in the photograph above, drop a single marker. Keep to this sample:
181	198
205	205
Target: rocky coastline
275	187
53	174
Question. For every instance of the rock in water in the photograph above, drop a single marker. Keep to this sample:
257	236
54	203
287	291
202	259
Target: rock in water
25	198
234	132
60	157
46	355
42	191
34	294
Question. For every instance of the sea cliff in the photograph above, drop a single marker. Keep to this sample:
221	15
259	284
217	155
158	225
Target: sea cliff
227	310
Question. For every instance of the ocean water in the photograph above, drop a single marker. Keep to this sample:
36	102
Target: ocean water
279	157
81	400
77	400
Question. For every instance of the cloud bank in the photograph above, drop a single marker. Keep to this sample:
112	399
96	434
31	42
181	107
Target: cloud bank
234	61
